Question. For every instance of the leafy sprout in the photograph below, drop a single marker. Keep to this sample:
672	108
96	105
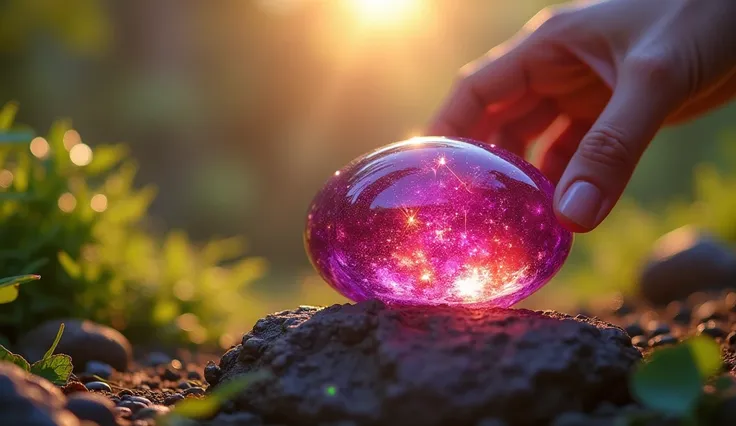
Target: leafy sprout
55	368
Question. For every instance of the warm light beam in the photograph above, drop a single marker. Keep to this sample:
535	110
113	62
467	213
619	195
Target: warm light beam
384	12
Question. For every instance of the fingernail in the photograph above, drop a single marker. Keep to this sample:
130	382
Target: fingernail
582	204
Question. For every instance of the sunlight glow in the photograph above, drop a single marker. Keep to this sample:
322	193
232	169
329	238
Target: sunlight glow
385	12
39	147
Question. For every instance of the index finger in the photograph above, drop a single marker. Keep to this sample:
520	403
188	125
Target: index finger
495	78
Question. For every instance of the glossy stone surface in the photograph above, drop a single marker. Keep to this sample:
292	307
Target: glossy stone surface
433	221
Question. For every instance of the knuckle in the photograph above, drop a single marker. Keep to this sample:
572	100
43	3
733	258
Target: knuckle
653	68
551	21
605	146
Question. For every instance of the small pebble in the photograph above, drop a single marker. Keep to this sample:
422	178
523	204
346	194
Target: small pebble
134	406
212	372
97	368
193	375
141	399
640	341
155	359
194	391
680	312
125	392
99	386
171	375
658	328
176	364
92	407
184	385
731	339
173	399
123	412
712	329
634	329
151	412
662	339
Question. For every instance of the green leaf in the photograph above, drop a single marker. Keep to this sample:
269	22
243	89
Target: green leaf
672	380
208	406
8	294
56	342
7	115
105	158
6	355
56	368
707	355
70	266
18	279
669	381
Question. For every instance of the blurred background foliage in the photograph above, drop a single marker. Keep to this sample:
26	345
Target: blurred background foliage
237	112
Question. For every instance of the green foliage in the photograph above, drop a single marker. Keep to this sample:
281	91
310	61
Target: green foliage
81	223
54	368
208	406
9	286
671	380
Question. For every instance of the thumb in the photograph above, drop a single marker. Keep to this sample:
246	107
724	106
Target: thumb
598	172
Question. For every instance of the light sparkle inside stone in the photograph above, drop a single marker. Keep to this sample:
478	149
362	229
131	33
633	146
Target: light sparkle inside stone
432	221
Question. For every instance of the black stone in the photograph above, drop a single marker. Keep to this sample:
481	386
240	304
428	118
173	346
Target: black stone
712	329
429	365
659	328
662	339
99	386
173	399
171	375
134	406
212	373
674	272
196	390
193	375
97	368
640	341
151	412
26	399
92	407
634	329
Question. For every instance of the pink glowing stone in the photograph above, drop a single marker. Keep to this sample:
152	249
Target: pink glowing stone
433	221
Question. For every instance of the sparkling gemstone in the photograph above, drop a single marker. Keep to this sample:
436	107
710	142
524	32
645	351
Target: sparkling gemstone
432	221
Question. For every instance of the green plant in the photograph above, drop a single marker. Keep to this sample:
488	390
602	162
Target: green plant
9	286
203	408
72	214
55	368
672	381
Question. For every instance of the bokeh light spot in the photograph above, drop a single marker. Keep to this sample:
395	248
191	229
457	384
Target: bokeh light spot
81	154
98	203
39	147
6	178
67	202
70	139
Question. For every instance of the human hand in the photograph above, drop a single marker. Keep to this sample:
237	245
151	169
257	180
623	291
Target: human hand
612	73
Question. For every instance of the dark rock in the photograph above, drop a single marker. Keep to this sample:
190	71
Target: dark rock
84	341
97	368
662	339
237	419
680	312
193	375
640	341
92	407
430	365
196	390
171	375
731	339
184	385
26	399
143	400
656	328
634	329
712	329
212	373
150	412
154	359
99	386
491	422
125	392
173	399
686	261
134	406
